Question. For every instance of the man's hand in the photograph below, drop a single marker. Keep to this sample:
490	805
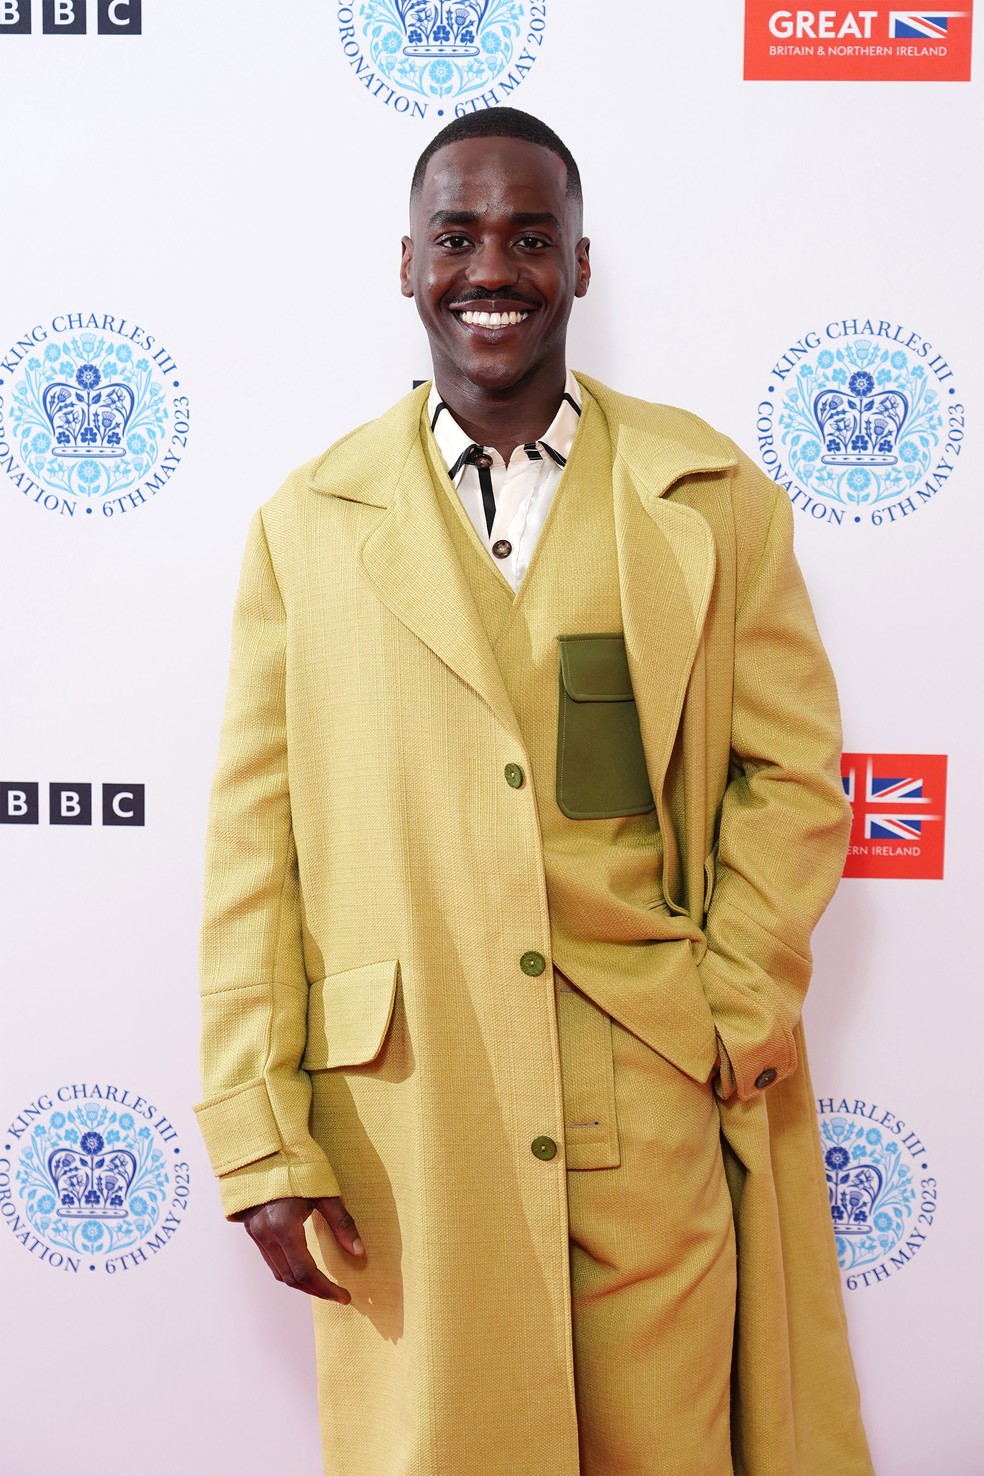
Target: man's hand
278	1230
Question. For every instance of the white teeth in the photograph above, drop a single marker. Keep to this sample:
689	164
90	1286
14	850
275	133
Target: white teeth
493	320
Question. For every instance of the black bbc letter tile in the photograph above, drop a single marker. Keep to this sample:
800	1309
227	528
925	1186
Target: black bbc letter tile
18	803
120	17
123	804
70	804
63	17
15	17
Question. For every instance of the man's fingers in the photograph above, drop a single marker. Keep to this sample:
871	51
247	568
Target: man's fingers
267	1257
303	1274
341	1225
278	1230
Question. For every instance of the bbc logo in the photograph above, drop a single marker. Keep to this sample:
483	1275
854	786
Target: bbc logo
71	804
68	17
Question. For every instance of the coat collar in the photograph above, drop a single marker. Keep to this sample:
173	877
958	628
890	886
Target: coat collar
410	561
657	443
368	465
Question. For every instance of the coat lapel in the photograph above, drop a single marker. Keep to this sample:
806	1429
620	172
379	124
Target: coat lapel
666	561
409	558
666	570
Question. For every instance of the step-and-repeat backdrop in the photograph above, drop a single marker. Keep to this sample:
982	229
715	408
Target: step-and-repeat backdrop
201	213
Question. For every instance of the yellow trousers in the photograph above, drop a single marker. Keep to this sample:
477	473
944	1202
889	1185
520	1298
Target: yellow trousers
652	1254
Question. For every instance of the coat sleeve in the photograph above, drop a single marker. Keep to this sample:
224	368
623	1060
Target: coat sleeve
255	1113
784	820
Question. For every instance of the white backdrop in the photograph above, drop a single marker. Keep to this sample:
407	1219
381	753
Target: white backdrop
222	181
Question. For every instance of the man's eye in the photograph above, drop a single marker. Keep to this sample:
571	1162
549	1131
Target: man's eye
536	243
453	243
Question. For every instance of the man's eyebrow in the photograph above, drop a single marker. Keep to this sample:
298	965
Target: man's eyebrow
444	218
452	217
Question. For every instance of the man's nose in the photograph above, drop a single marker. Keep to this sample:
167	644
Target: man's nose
492	265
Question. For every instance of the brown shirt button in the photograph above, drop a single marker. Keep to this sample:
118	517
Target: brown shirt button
502	548
483	461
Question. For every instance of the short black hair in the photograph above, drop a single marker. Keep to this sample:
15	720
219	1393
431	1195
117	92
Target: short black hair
501	123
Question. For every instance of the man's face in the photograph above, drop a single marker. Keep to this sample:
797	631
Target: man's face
495	262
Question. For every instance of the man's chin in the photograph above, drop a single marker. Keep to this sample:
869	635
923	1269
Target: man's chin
491	374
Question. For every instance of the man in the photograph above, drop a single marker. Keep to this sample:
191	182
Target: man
526	807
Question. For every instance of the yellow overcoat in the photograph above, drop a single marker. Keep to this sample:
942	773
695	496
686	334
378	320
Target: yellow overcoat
373	882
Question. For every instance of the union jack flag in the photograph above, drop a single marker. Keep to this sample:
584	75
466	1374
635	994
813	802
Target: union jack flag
899	804
908	25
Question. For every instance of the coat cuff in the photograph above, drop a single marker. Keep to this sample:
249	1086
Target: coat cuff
756	1046
275	1178
247	1153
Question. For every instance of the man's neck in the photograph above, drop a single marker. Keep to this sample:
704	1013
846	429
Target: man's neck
505	420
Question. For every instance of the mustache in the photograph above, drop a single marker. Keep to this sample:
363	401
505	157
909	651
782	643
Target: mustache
480	294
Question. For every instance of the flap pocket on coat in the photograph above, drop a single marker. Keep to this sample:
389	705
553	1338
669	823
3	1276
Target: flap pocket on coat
601	764
348	1016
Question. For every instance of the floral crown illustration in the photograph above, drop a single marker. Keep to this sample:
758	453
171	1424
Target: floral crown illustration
441	27
859	426
88	417
91	1183
854	1189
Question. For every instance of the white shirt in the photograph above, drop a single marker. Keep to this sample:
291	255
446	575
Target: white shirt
523	490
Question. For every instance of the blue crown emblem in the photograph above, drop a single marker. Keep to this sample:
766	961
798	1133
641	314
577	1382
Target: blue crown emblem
88	418
90	1183
860	427
445	28
871	1190
854	1190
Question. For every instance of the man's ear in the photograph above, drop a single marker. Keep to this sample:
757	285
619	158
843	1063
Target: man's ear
406	257
582	255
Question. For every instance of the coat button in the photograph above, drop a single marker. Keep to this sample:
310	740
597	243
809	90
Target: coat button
766	1079
502	548
544	1148
532	963
514	776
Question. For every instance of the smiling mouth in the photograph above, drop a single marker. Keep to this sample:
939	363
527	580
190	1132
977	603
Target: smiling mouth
492	320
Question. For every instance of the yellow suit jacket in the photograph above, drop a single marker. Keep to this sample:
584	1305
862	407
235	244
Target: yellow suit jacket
364	1028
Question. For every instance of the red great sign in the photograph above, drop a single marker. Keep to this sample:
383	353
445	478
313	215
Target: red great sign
873	44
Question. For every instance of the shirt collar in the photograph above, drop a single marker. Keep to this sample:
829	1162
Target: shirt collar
452	441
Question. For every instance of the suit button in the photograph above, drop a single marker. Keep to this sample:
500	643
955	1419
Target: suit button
544	1148
766	1079
502	548
514	776
532	963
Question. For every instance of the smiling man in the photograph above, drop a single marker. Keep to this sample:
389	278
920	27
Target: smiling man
527	804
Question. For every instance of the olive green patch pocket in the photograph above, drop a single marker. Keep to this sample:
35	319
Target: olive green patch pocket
601	766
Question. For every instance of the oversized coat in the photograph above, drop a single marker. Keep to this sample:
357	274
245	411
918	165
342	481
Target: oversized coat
372	884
